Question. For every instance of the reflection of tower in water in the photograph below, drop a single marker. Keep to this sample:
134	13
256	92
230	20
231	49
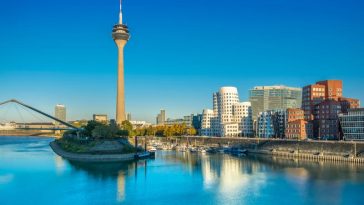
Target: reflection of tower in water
120	186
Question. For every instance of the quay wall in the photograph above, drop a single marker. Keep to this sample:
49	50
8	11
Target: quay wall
311	150
90	157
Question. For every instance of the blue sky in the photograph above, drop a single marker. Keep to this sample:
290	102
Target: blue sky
179	53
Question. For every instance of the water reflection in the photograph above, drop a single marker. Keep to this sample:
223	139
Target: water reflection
173	177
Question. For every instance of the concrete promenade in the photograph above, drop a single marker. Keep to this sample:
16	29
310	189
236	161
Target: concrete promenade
90	157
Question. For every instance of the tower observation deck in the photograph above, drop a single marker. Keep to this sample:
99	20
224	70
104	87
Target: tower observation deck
120	34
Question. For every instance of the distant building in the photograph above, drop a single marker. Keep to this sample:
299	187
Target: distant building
60	113
197	122
352	124
265	98
100	118
139	124
161	117
128	117
186	120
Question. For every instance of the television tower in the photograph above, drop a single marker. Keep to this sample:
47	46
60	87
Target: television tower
120	34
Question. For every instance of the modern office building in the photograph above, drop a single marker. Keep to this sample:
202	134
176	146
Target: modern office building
100	118
265	98
352	124
60	113
326	121
120	34
161	117
229	117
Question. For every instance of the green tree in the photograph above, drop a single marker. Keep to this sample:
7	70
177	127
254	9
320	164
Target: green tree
103	131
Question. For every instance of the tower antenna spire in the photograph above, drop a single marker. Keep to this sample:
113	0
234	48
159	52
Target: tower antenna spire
120	15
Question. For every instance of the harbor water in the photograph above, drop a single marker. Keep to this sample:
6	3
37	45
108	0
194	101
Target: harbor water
30	173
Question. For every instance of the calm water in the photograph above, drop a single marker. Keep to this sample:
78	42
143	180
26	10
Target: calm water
30	173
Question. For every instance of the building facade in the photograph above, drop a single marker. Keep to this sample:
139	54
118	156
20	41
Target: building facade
265	98
326	122
60	112
244	117
265	126
317	93
297	127
352	124
161	117
229	117
100	118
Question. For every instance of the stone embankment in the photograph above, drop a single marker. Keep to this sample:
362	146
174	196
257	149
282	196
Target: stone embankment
340	151
90	157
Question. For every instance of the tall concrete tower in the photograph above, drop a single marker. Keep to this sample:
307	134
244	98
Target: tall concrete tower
120	34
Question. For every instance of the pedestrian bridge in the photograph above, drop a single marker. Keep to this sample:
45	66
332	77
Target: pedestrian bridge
25	126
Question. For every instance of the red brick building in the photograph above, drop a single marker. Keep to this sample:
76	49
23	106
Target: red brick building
348	103
328	94
297	127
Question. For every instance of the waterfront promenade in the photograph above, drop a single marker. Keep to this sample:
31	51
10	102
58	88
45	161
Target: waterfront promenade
344	151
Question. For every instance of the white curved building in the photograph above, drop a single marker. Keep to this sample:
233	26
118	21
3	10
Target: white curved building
229	117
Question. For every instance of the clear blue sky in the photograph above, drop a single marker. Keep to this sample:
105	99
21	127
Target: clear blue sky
180	51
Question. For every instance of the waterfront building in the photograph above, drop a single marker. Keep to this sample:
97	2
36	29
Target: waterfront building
294	114
60	113
320	102
100	118
161	117
197	122
326	122
316	93
120	34
352	124
229	117
265	126
244	117
297	127
206	123
279	118
265	98
272	123
348	103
